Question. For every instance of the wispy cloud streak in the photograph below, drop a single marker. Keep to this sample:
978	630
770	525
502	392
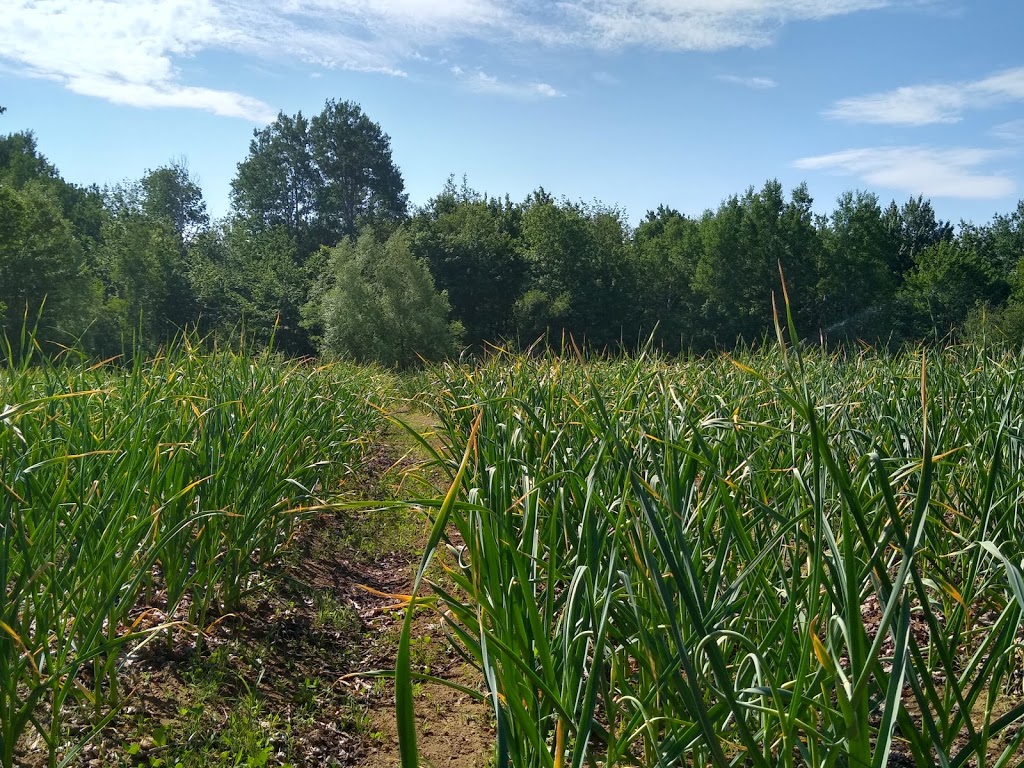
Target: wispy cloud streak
955	172
932	103
757	83
481	82
134	51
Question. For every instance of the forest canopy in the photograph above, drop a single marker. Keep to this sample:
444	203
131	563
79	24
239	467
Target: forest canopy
321	252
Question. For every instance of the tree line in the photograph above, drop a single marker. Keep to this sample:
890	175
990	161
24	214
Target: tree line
322	252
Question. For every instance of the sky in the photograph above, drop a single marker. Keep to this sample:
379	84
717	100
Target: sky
634	103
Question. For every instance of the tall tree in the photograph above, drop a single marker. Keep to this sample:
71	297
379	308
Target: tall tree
668	249
358	182
276	184
143	256
578	260
1000	246
471	243
21	162
382	305
1007	241
802	255
171	193
745	242
857	283
44	274
147	298
322	179
912	228
247	283
950	280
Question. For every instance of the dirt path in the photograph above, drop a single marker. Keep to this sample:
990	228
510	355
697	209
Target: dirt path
452	728
277	683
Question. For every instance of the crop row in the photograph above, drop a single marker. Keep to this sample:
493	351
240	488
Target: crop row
775	559
133	497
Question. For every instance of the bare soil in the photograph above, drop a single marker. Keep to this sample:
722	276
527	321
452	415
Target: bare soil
282	682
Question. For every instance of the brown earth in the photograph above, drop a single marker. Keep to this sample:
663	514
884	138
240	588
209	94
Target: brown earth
282	681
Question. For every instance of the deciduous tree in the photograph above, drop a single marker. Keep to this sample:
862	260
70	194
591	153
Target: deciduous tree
44	276
471	244
321	179
381	305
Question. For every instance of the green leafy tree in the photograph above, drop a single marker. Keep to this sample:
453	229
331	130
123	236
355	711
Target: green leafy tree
276	183
763	247
800	260
139	260
948	283
44	275
358	183
321	179
248	283
857	284
1000	246
668	249
556	248
580	270
745	242
143	257
717	273
381	305
912	228
171	193
21	163
471	244
1006	241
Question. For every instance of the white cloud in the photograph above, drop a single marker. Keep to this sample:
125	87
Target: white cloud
122	52
544	89
481	82
757	83
605	78
918	170
701	25
133	51
224	103
1011	131
1007	85
931	104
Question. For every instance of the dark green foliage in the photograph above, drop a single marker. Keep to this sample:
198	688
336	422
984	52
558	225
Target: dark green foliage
248	285
579	272
21	163
668	249
913	227
320	179
132	266
171	194
472	244
746	242
275	184
358	184
856	284
44	276
380	305
948	281
142	260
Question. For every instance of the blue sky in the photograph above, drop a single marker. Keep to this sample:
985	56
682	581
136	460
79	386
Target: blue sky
631	102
